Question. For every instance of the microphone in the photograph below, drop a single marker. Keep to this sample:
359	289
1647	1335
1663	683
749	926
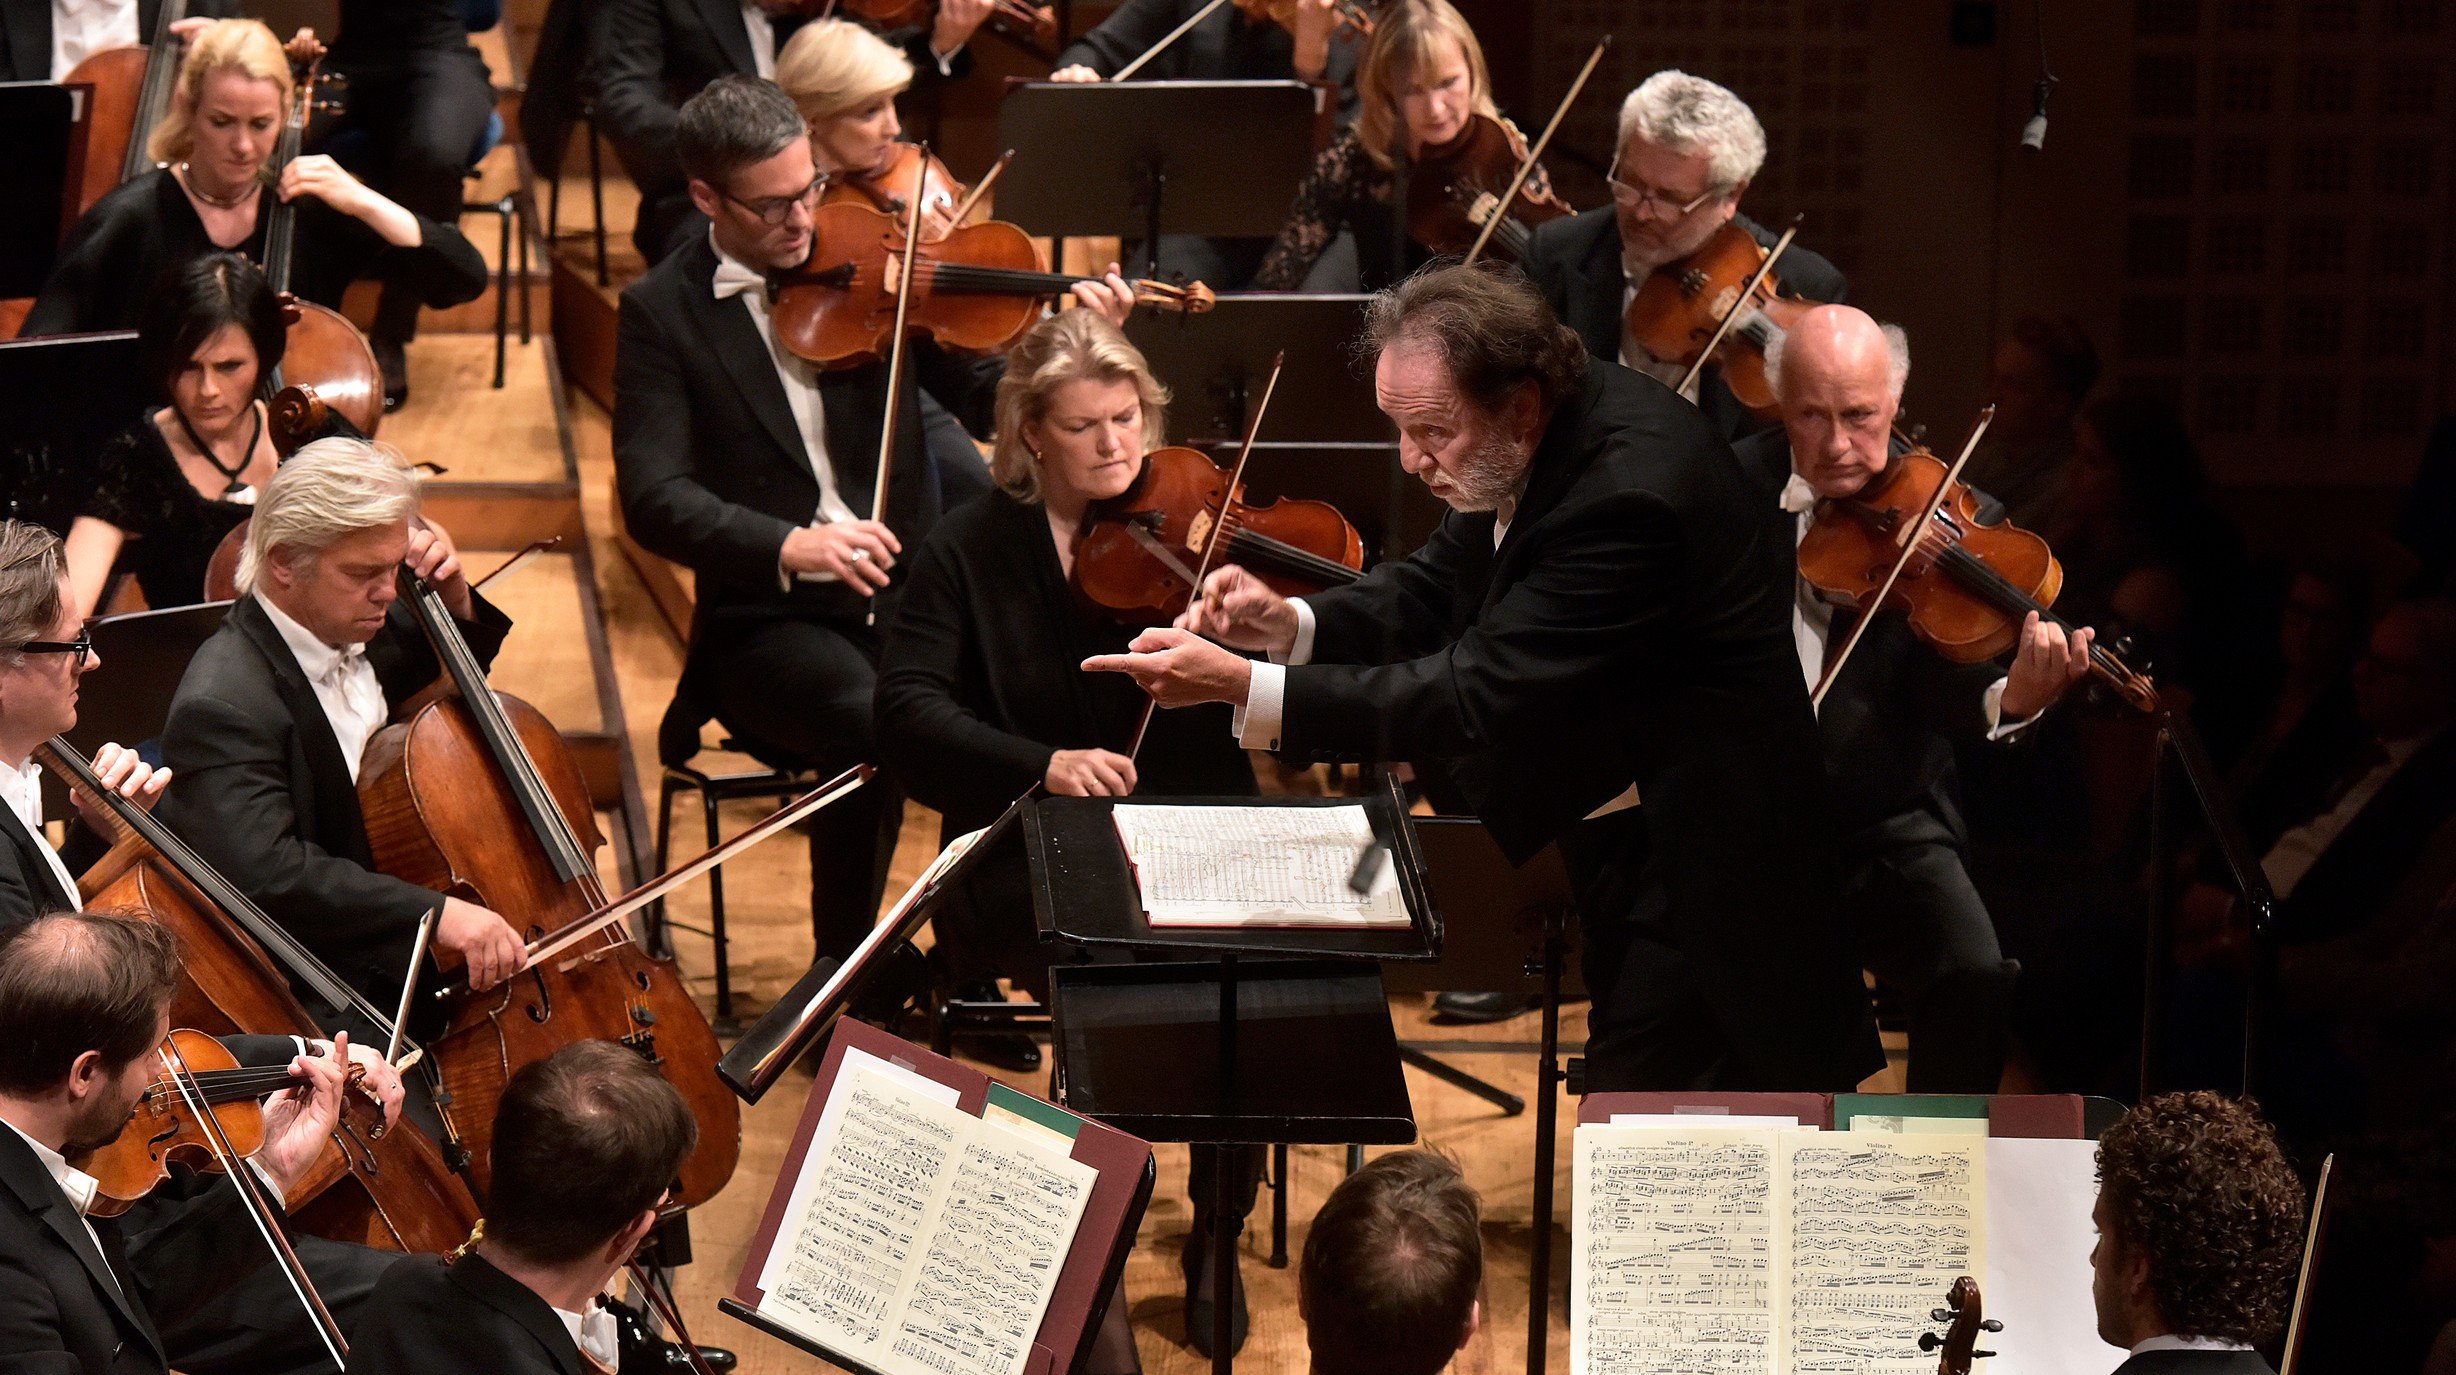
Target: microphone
2034	133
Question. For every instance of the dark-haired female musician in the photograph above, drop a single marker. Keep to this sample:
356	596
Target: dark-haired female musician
178	479
979	693
1419	88
227	109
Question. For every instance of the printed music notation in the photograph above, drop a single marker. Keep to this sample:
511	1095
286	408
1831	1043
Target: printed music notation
921	1240
1256	866
1766	1251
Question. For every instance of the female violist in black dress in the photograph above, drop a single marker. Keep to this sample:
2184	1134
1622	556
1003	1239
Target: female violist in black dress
177	479
980	689
227	109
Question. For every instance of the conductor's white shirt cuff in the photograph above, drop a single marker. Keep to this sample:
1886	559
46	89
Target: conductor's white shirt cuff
1257	722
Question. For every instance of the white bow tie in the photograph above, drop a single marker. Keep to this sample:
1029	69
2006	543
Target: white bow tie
1798	497
732	279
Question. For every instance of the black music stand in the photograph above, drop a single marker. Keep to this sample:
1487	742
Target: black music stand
60	399
42	163
1216	362
1152	157
1282	1039
144	655
1508	930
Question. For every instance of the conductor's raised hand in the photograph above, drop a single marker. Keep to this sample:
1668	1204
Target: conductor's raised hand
1237	608
1089	773
433	557
858	551
1180	669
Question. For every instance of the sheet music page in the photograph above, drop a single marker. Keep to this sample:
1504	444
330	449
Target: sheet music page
1256	866
994	1247
1676	1251
883	1154
1879	1226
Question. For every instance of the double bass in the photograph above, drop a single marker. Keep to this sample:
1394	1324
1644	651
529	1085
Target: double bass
132	91
392	1190
475	795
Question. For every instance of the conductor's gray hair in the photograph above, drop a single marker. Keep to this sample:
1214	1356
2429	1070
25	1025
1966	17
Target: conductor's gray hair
1897	360
325	491
1689	114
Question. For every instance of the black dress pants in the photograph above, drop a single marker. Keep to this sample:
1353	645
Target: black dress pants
1925	932
419	115
802	688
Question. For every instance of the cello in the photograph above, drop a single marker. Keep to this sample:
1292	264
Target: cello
325	353
475	794
388	1189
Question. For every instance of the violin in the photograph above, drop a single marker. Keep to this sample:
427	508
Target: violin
1455	190
1141	549
974	290
1028	23
1964	1318
475	794
1354	20
1967	585
1678	311
324	351
132	90
392	1190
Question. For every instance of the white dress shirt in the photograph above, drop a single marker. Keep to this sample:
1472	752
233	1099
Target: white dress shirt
2289	861
734	279
345	684
762	39
21	787
596	1334
1812	619
2175	1342
82	28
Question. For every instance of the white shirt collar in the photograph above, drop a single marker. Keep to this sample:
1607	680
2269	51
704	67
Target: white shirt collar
77	1184
596	1334
1798	497
318	660
2176	1342
733	276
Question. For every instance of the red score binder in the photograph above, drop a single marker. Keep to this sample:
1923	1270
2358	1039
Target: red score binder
1102	1239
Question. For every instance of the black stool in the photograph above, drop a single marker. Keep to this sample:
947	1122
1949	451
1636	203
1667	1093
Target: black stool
678	745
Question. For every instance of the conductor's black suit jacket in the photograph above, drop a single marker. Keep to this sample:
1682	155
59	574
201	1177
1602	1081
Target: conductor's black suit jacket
260	790
710	462
1575	262
1631	628
466	1318
25	31
68	1308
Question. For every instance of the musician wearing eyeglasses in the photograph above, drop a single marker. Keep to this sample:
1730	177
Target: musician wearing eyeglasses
758	471
84	1002
1687	151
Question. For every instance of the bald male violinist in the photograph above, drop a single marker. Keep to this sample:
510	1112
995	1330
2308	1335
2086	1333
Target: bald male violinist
1890	719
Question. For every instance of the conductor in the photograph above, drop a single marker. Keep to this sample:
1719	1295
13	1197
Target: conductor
1595	634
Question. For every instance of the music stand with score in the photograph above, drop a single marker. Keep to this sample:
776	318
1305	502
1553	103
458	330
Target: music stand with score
1216	364
42	163
1220	159
61	397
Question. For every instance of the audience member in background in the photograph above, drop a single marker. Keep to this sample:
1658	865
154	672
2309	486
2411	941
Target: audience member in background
227	108
415	102
2040	376
1392	1268
646	57
179	479
2310	727
2200	1232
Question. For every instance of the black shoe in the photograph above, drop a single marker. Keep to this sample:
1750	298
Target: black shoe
393	363
1199	1314
1478	1008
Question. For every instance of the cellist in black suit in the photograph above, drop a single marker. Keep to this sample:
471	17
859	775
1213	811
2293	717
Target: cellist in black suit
757	471
1889	722
1595	642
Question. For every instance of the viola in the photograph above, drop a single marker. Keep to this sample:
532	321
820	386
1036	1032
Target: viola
392	1190
1141	549
1454	190
975	290
1354	19
1016	19
1967	586
885	189
475	794
1678	311
324	351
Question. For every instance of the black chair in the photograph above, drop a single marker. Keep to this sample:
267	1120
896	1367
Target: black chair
777	777
596	192
514	218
